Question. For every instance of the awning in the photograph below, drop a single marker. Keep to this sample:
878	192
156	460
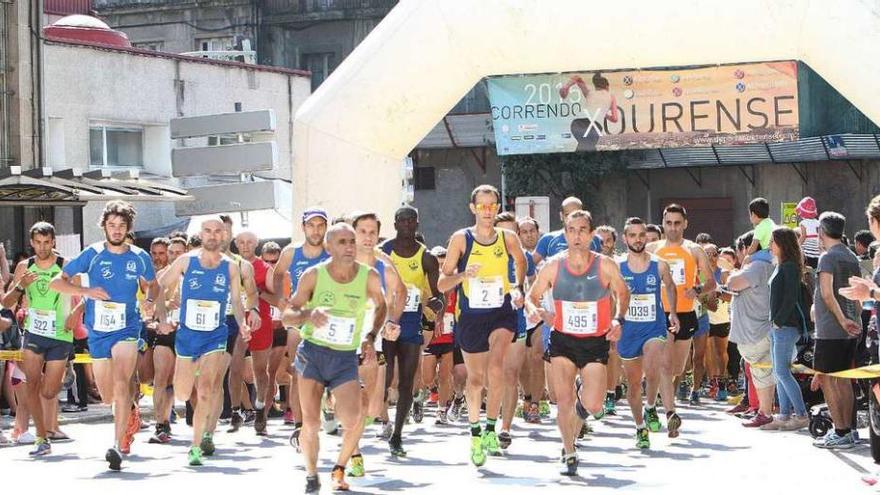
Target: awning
70	187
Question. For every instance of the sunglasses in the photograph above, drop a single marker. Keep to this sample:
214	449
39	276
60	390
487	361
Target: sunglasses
486	207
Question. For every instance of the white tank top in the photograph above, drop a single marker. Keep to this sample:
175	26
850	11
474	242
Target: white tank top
810	246
597	105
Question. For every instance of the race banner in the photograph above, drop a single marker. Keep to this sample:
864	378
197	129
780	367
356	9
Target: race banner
615	110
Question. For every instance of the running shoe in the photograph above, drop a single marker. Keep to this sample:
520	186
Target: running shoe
24	438
738	409
313	484
235	421
642	439
779	423
835	441
533	414
722	395
682	393
395	445
442	418
673	425
490	443
260	422
4	441
478	454
455	410
609	407
544	408
653	419
207	444
586	429
418	407
114	457
134	425
520	411
41	448
249	417
288	417
194	456
434	398
337	476
356	467
714	388
570	463
387	430
504	439
74	408
758	421
695	398
159	436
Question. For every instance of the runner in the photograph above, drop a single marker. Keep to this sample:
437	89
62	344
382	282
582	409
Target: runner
419	270
293	262
516	354
438	358
238	353
608	235
203	277
477	263
533	376
643	341
719	327
47	343
269	253
114	270
162	350
367	227
687	261
582	283
260	343
553	243
330	303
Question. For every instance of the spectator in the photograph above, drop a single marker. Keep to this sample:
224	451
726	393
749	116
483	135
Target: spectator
655	233
759	215
809	227
704	238
788	317
750	325
837	330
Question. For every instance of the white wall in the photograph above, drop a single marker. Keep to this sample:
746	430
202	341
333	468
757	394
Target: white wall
86	84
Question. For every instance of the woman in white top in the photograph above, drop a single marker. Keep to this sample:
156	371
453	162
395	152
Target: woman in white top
809	227
598	104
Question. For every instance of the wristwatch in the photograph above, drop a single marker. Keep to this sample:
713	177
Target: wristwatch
620	320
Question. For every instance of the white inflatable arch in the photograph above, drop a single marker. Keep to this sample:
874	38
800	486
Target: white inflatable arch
353	132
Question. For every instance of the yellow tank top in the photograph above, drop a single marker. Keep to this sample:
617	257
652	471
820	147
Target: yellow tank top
684	273
487	290
412	272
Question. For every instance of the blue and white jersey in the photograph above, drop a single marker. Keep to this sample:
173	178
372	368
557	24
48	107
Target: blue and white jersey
119	275
300	263
553	243
204	294
645	312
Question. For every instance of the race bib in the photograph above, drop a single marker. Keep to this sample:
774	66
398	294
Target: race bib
41	322
677	269
109	316
275	313
699	310
413	299
486	292
202	316
338	331
580	318
448	323
642	308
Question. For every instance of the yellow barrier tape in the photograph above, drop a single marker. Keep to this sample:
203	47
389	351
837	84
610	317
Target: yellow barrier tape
865	372
16	356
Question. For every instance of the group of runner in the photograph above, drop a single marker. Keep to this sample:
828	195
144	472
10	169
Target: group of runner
356	325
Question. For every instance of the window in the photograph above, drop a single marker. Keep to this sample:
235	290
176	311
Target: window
214	44
423	178
156	46
115	146
320	65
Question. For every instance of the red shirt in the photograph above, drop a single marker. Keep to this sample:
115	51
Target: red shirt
261	270
448	318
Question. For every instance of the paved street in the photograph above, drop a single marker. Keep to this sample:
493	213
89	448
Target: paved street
714	453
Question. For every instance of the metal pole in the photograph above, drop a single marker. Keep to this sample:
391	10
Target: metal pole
503	187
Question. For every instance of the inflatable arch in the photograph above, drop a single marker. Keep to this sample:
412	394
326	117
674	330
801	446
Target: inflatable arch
351	135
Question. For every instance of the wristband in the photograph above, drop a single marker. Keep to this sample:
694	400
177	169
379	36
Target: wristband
254	310
620	320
